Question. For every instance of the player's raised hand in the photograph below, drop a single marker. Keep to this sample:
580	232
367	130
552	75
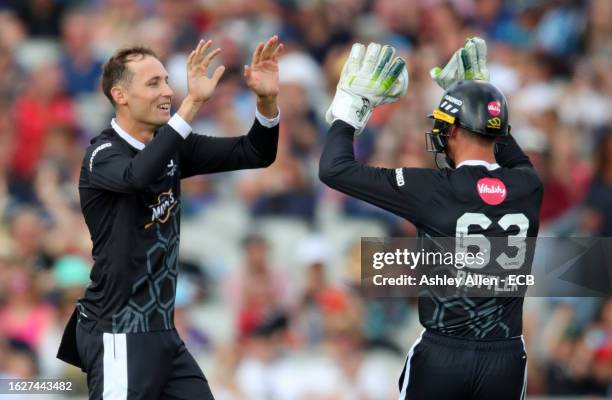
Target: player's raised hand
467	63
370	77
262	75
200	86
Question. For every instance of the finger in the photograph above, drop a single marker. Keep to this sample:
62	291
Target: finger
472	59
450	69
459	72
257	54
384	61
481	56
467	66
397	68
371	57
218	73
355	58
277	53
269	48
477	52
247	72
209	58
190	58
201	51
194	52
199	46
398	88
265	50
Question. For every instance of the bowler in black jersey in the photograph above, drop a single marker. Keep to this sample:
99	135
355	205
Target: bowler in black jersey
122	332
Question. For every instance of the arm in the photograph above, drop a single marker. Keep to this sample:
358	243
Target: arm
112	168
204	154
508	154
399	191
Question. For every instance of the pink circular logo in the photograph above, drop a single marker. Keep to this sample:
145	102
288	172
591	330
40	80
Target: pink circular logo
494	108
491	190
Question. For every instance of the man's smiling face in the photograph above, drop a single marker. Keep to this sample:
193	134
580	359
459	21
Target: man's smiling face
146	92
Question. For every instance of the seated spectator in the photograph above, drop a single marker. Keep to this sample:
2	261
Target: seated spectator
24	316
80	68
257	290
597	219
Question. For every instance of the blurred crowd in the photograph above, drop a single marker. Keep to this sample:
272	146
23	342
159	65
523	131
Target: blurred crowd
268	300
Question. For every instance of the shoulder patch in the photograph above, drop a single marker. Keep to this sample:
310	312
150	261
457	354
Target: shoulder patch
96	150
399	176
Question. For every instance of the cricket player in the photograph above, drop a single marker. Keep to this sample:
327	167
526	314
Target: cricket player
122	333
472	347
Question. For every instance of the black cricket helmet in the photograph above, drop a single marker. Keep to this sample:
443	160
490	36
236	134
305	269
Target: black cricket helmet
476	106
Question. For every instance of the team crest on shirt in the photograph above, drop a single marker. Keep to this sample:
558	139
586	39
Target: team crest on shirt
171	168
491	190
162	209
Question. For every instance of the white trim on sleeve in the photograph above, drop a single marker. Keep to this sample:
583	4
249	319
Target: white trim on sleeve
178	124
265	121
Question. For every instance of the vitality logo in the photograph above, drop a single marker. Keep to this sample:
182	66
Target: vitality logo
494	108
491	190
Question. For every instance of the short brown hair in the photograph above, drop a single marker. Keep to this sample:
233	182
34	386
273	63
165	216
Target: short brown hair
115	69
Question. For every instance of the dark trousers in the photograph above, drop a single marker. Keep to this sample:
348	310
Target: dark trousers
135	366
440	367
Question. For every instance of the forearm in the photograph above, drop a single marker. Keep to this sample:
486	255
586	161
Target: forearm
402	191
202	154
338	154
267	106
263	141
508	154
189	108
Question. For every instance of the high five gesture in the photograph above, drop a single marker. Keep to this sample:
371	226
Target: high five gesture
262	75
200	86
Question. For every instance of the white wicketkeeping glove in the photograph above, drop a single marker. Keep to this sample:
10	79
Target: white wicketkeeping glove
369	78
468	63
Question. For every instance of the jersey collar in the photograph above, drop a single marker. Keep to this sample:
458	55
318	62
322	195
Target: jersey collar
482	163
126	136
